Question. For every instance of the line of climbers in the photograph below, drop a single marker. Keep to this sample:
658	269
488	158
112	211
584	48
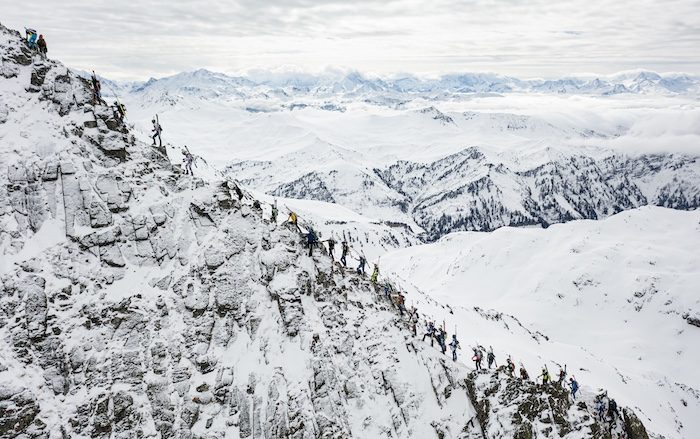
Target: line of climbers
605	408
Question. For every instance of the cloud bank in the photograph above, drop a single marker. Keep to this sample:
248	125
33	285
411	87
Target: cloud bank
524	38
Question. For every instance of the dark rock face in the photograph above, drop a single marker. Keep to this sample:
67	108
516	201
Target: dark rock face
534	410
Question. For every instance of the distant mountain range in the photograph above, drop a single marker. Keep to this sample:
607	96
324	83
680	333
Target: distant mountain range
211	84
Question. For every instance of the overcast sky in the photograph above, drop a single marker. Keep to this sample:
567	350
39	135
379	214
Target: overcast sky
525	38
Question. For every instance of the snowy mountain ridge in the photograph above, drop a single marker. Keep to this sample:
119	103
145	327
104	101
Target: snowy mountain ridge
352	84
139	302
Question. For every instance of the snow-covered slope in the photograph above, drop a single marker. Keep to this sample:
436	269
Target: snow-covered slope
617	300
139	302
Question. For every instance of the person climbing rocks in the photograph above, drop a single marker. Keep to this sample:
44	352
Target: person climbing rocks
31	37
273	214
562	376
545	376
387	290
612	410
343	257
311	240
477	358
96	90
523	373
361	267
400	303
413	318
188	159
441	338
491	357
510	366
430	332
119	111
331	247
375	274
454	345
600	408
41	44
157	129
574	387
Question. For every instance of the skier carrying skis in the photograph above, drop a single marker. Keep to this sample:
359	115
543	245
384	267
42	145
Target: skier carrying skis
96	89
400	301
41	44
545	376
612	410
510	366
600	408
441	336
157	129
331	247
273	215
119	111
188	159
343	257
523	373
413	318
477	358
361	267
375	274
562	376
430	332
31	36
311	240
574	387
490	357
454	345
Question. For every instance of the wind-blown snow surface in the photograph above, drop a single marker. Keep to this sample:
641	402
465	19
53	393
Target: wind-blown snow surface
615	298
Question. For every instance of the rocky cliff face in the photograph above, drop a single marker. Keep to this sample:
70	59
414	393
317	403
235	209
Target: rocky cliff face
137	302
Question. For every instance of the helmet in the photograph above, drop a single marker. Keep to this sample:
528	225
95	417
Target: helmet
41	36
153	121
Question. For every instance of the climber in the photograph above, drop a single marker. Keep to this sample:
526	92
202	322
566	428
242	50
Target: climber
491	358
157	129
293	219
343	257
454	345
331	247
544	375
400	302
562	376
188	159
311	240
600	408
477	358
41	44
523	373
430	332
31	36
387	290
361	267
413	318
96	89
612	409
574	387
119	111
510	366
273	215
375	274
441	338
